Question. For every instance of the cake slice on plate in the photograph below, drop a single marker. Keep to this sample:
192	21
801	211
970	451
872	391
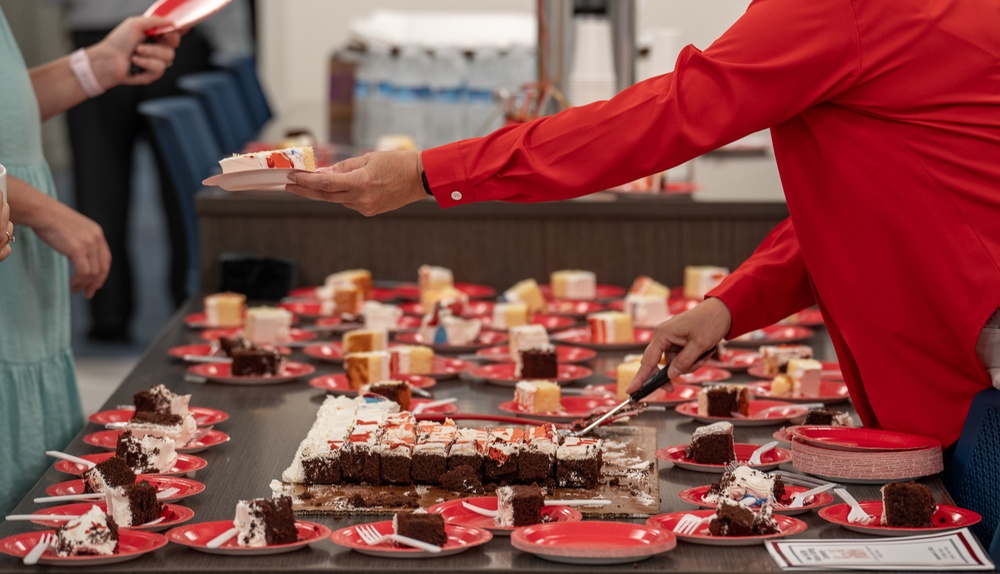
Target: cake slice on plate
288	158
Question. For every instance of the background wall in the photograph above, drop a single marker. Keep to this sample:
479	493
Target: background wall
297	38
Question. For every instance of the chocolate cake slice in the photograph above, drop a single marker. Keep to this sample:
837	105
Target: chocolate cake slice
421	525
712	444
257	362
134	504
519	505
907	505
398	391
539	363
111	473
265	521
236	343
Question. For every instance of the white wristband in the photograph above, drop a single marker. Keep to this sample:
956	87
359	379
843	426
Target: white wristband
79	62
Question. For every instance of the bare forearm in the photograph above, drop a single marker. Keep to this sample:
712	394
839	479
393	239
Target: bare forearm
29	206
56	88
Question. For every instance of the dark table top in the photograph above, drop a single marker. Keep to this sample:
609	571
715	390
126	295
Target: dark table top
268	422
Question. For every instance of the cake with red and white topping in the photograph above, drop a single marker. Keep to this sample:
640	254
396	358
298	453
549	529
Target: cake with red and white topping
502	454
430	455
395	448
303	158
537	461
92	534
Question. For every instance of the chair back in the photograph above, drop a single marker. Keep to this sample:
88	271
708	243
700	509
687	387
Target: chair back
186	150
227	111
244	70
973	474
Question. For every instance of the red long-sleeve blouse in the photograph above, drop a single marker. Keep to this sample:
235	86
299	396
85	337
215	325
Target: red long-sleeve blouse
885	120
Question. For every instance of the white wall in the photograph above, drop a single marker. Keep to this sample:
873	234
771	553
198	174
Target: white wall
297	38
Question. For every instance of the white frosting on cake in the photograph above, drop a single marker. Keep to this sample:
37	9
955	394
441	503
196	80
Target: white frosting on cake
578	448
380	315
180	433
574	284
647	310
88	534
525	337
524	395
268	325
119	508
250	529
505	506
746	485
178	403
461	331
161	453
333	423
262	160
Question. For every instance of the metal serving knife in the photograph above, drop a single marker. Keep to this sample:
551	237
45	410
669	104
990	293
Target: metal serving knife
657	380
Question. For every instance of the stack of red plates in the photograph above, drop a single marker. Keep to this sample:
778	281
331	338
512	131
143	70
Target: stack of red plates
861	455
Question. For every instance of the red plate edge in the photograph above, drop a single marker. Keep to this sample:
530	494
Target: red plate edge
525	539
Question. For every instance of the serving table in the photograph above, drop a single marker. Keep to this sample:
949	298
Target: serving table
268	422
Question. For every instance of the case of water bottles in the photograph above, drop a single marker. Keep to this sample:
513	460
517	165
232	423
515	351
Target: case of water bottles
435	90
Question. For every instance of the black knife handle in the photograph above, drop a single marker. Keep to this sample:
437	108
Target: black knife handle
660	378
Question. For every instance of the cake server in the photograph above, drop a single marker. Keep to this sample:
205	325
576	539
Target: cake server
659	379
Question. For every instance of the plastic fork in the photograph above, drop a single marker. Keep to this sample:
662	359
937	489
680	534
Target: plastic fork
431	405
800	498
75	459
47	539
689	523
761	450
205	359
581	502
857	514
97	496
373	537
804	407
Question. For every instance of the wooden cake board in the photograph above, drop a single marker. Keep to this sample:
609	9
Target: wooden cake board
630	480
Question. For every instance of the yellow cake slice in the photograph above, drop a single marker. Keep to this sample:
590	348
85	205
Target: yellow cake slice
538	397
366	368
365	340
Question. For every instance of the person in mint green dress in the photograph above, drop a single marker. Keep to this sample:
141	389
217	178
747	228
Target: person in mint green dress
56	250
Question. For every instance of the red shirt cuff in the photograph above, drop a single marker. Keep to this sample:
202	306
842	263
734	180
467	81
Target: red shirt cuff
446	175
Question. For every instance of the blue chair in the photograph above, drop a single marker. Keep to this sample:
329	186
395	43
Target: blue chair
228	115
186	150
973	473
244	70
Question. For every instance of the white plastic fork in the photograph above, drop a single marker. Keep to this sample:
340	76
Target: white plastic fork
74	459
760	451
47	539
97	496
373	537
800	498
431	405
689	523
575	502
857	515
